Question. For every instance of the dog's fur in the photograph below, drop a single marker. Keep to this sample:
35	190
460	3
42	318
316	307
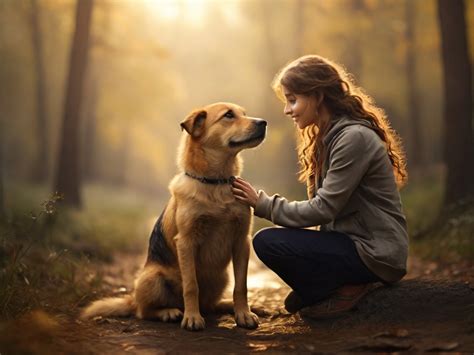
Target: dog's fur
202	228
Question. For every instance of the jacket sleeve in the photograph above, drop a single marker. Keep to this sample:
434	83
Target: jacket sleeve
348	162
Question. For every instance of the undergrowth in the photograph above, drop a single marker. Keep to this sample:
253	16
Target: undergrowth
50	254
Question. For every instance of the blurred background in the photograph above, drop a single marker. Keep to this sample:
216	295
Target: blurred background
92	93
150	62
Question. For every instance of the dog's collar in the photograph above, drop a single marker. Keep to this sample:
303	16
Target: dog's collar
206	180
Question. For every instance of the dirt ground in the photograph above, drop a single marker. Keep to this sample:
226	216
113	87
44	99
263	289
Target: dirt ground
425	312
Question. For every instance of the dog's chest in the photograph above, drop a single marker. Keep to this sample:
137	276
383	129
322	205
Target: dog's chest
225	220
217	230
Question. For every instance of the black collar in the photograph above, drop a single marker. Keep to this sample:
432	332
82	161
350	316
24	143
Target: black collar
206	180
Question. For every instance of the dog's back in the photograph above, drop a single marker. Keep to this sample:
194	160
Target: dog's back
158	249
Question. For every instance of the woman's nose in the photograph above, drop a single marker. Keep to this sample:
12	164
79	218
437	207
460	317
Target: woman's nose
287	110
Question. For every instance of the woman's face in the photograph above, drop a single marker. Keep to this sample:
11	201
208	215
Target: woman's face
301	108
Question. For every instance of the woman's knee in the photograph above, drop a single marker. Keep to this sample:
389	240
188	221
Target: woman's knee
262	242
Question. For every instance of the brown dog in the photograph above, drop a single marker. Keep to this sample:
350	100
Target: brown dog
201	229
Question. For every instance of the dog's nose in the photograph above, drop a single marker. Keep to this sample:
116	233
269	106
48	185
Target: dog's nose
261	123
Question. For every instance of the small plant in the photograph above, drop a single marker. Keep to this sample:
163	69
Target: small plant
17	238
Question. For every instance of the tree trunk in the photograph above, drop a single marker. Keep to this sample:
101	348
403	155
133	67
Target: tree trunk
352	53
41	164
2	170
458	140
415	156
124	153
90	127
68	178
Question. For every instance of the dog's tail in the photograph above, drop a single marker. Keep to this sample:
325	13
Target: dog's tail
111	306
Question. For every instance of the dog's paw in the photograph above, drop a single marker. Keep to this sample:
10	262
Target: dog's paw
169	314
246	319
193	321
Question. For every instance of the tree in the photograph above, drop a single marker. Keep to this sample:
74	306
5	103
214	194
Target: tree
40	167
458	140
352	53
2	167
416	137
89	118
68	178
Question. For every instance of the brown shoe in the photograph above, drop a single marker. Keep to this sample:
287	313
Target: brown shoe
342	301
293	302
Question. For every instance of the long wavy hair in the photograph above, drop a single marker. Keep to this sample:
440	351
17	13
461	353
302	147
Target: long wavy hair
313	75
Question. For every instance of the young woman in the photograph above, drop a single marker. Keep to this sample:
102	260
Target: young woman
353	165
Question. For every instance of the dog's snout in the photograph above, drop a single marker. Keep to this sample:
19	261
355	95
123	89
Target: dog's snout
261	123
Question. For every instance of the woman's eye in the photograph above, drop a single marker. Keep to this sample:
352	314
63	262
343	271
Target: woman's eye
229	114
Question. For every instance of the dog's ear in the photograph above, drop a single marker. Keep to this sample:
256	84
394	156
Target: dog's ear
194	123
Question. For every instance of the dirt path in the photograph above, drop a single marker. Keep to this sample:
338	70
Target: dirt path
423	313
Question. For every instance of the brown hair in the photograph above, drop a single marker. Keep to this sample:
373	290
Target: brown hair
312	75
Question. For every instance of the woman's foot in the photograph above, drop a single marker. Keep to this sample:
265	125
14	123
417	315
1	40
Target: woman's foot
293	302
342	301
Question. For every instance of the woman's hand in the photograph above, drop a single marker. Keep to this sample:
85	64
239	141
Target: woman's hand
244	191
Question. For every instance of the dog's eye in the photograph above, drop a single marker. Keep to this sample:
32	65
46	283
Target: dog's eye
229	114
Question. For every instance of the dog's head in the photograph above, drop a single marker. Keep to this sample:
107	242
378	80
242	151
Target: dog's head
224	126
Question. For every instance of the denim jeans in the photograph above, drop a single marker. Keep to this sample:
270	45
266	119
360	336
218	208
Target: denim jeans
313	263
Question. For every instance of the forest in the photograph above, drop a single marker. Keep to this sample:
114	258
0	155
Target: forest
93	93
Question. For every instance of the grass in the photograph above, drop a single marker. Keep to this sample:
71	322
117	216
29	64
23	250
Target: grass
446	237
111	219
421	200
46	249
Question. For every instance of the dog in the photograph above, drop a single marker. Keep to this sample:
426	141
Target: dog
201	230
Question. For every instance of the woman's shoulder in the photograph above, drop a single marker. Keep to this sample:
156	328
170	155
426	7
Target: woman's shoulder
358	133
356	139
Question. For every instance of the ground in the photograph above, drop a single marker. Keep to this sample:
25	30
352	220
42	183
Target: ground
425	312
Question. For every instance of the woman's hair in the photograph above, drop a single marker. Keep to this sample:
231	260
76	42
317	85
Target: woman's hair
312	75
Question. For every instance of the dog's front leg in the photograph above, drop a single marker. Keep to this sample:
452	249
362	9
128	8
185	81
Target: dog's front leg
192	319
240	259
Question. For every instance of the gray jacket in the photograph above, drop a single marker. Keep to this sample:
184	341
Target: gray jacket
356	195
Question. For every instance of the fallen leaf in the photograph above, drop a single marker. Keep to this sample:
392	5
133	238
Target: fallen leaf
399	333
402	333
443	347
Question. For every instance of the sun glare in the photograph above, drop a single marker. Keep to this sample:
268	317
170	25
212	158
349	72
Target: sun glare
193	11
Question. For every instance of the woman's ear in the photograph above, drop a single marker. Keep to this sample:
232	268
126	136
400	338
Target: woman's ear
194	123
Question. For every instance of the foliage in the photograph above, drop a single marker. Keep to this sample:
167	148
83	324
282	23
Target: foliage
437	232
422	199
21	238
53	251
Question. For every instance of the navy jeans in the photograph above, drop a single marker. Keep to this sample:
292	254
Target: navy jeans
313	263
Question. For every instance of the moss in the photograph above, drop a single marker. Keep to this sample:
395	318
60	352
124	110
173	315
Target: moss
450	237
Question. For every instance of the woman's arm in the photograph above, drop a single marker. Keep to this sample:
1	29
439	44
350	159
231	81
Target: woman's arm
349	160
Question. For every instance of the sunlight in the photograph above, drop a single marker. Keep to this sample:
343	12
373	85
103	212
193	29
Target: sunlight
193	11
263	279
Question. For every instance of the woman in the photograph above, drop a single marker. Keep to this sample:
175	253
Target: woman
353	165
